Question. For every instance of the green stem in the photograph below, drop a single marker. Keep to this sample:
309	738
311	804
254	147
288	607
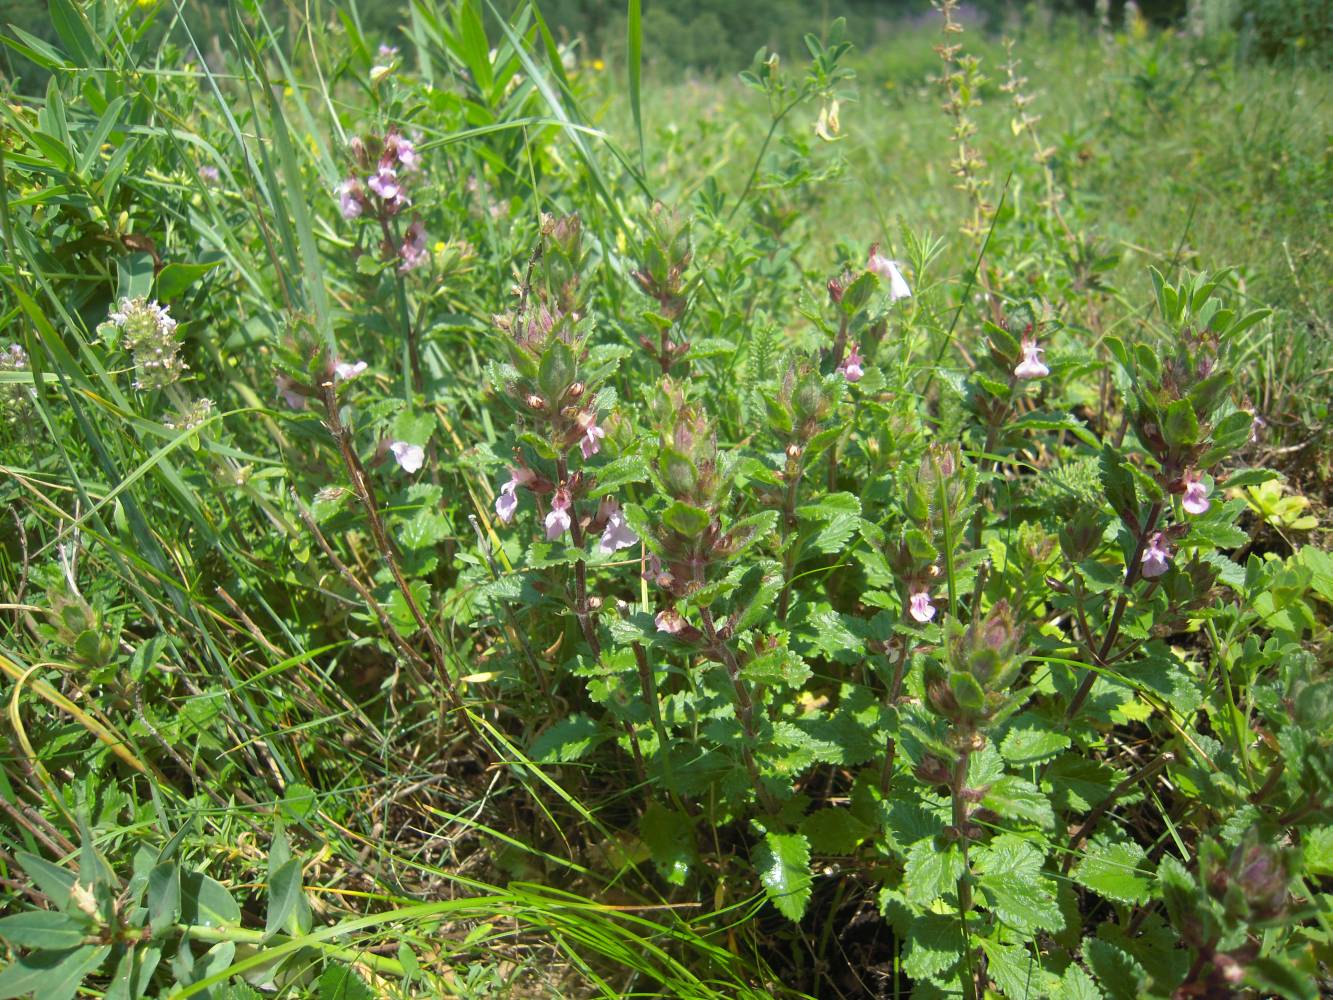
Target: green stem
758	160
243	935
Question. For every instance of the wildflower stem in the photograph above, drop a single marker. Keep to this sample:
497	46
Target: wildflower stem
365	492
1090	821
957	785
581	611
744	705
1132	573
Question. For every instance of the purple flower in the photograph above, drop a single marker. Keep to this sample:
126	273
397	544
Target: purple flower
617	534
590	445
406	151
920	608
384	182
889	273
413	250
387	52
209	174
344	370
654	568
669	621
1156	557
506	504
350	198
558	521
408	456
851	365
288	391
1031	366
1196	495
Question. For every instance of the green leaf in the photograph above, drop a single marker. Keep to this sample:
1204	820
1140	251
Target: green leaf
669	837
934	945
1118	484
1120	974
206	902
931	871
1016	972
1026	905
164	897
176	278
50	975
634	41
1011	796
49	930
298	802
783	861
341	982
567	740
834	831
685	518
51	879
1030	744
779	667
1113	871
134	276
614	476
1076	984
285	896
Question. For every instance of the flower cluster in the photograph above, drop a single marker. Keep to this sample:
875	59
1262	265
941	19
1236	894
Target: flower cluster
149	333
14	396
378	190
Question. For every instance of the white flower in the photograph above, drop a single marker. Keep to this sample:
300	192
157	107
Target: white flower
408	456
889	273
1031	365
344	370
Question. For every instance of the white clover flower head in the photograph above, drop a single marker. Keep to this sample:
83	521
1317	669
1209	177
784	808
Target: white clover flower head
149	334
408	456
193	415
1031	366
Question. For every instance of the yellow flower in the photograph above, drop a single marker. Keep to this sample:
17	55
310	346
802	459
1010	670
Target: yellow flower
598	65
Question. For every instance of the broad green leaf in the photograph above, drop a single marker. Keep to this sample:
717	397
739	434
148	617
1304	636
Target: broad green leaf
1114	871
1028	744
342	982
206	902
51	975
285	896
931	871
164	897
934	945
834	831
669	837
567	740
51	879
783	861
48	930
176	278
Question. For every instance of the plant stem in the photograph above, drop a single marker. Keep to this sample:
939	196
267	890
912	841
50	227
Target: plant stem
1090	821
895	689
960	815
365	492
581	611
744	706
1132	573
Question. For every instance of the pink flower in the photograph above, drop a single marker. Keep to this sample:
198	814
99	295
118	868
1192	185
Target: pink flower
1196	495
558	521
1156	557
406	151
289	393
617	534
851	366
669	621
920	608
654	568
413	250
889	273
408	456
384	183
344	370
506	504
1031	366
350	198
590	445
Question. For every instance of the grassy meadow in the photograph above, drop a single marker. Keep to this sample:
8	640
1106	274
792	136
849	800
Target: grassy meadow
484	517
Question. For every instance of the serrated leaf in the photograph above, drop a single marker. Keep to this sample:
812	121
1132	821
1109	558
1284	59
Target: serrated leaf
1022	900
834	831
1076	984
341	982
1119	974
616	475
930	871
1018	797
669	837
934	945
783	860
1016	972
1113	871
567	740
1029	744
